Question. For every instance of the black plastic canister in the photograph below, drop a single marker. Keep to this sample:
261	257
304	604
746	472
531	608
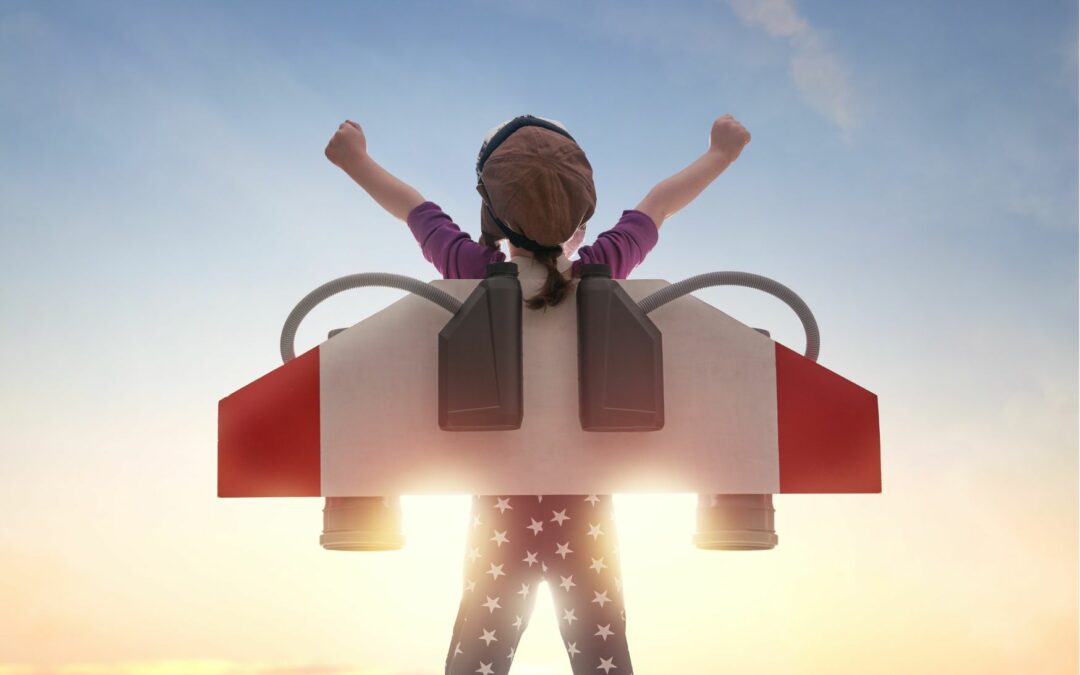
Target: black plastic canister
620	357
480	364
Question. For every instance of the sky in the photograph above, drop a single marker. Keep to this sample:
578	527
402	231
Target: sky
165	201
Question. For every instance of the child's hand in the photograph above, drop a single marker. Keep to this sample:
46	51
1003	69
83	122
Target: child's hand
348	145
728	137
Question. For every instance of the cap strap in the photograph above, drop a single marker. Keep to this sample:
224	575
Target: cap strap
518	239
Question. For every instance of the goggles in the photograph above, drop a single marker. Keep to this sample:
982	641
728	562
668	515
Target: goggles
501	132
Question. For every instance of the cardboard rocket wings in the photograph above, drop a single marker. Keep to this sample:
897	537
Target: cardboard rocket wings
357	415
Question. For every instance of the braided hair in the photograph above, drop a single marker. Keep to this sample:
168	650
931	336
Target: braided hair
556	286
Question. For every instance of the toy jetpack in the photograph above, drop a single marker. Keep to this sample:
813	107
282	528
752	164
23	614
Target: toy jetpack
625	386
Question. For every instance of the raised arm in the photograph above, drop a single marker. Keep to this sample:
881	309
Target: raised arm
726	141
348	150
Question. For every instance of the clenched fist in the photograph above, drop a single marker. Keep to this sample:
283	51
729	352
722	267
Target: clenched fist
348	145
728	137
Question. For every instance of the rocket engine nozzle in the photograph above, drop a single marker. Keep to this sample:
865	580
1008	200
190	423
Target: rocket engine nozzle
735	523
362	524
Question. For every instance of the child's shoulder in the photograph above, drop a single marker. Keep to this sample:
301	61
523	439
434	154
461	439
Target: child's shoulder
623	247
453	252
640	225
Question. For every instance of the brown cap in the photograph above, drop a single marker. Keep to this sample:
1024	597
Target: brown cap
540	184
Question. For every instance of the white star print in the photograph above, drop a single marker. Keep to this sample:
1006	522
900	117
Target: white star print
524	592
567	582
604	631
476	521
517	622
618	584
537	527
457	649
539	498
606	664
563	549
470	584
592	499
500	538
560	516
543	566
511	654
492	604
488	637
572	649
597	564
485	669
530	558
504	504
474	553
601	598
495	571
594	531
568	616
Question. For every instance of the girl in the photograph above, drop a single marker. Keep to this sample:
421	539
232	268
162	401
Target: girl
537	191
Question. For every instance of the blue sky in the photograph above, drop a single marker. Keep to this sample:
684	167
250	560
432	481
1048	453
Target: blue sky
164	201
912	164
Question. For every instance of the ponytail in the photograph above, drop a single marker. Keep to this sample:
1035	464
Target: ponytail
555	287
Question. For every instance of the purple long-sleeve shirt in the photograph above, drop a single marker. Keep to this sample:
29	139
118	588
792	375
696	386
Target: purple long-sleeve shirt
457	256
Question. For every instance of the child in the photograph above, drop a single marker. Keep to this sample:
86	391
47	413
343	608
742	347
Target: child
537	191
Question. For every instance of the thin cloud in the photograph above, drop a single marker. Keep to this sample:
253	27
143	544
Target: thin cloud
819	76
1070	61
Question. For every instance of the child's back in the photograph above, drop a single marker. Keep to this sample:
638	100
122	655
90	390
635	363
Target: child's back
456	256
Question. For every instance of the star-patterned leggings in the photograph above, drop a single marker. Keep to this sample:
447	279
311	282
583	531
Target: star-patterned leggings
515	543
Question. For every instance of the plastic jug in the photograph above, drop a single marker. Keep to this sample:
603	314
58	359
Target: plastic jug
480	362
620	357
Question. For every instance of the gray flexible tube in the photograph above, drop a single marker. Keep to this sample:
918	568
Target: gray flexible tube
647	304
775	288
415	286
